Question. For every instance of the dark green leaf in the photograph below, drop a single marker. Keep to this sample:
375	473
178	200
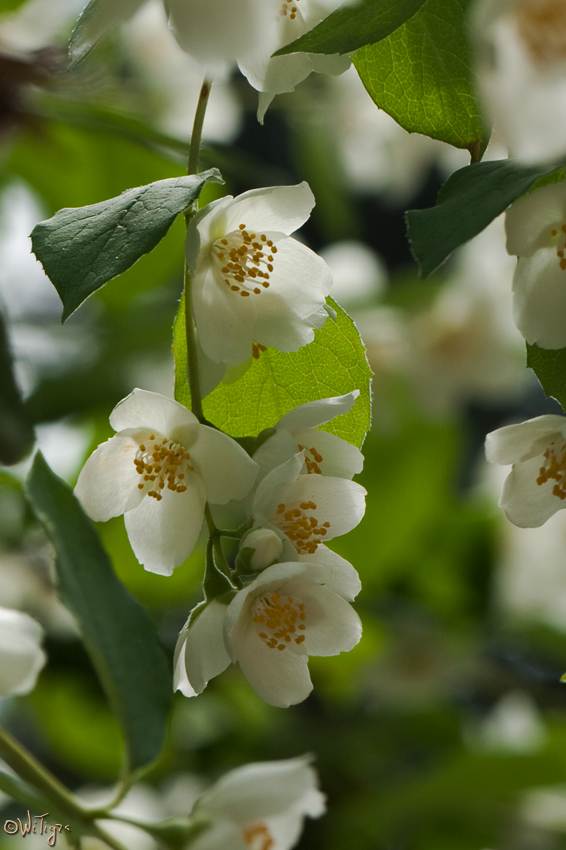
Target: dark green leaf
353	26
16	432
422	76
333	364
470	199
116	630
82	248
549	365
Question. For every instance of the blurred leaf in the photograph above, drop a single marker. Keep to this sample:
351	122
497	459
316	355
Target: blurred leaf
19	790
82	248
16	432
469	200
549	365
333	364
353	26
422	76
116	630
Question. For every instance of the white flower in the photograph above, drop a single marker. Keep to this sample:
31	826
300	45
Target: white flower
259	807
274	75
325	453
159	470
21	656
253	285
266	544
290	611
536	232
536	486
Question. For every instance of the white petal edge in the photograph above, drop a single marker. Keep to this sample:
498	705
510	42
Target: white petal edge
227	471
145	409
314	413
200	654
524	440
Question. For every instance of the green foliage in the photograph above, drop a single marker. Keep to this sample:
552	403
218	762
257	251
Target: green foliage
422	76
81	249
116	631
333	364
353	26
469	200
16	432
549	365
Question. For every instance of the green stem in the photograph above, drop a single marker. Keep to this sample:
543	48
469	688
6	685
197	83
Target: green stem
219	556
192	359
104	836
196	135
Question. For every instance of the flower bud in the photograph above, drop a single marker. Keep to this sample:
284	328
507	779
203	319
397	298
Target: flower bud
21	656
268	547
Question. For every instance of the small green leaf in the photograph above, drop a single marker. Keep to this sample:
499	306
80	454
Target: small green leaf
353	26
422	76
549	365
16	432
333	364
470	199
97	18
116	630
82	248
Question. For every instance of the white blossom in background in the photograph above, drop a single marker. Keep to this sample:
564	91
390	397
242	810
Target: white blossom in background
536	486
358	273
522	72
536	233
253	285
159	470
21	655
260	806
290	611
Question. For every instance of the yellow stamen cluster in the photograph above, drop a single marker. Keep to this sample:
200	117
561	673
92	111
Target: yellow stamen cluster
258	837
554	468
280	619
246	260
303	531
257	349
288	7
164	464
542	27
312	463
561	245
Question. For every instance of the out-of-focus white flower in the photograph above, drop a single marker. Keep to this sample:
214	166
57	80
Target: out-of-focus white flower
513	725
159	470
21	655
536	486
278	74
259	806
536	233
290	611
324	453
357	271
253	285
522	71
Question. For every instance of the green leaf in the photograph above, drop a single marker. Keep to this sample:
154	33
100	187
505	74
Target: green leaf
16	432
470	199
353	26
116	630
333	364
422	76
84	247
549	365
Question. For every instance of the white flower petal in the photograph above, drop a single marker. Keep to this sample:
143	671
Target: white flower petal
339	458
21	656
332	625
108	482
98	17
338	501
225	321
201	654
276	450
220	835
335	573
528	223
526	503
282	209
270	489
521	442
163	534
315	413
227	471
144	409
539	299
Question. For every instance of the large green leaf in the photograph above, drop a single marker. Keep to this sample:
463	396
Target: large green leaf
549	365
422	76
353	26
84	247
116	630
470	199
333	364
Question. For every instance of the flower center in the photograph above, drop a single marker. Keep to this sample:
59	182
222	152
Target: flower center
279	619
162	464
559	236
289	7
554	468
312	463
303	530
246	260
542	26
258	837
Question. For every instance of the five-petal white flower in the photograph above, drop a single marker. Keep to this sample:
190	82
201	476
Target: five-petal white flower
21	655
253	285
536	232
260	806
536	486
159	470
